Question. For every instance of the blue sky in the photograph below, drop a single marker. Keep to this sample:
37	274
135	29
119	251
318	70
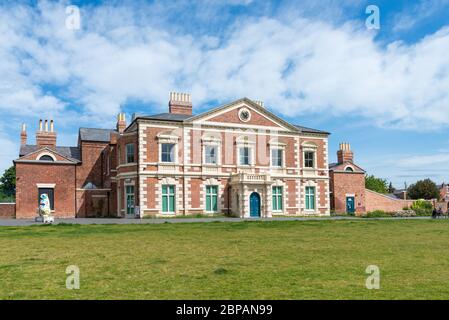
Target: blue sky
312	62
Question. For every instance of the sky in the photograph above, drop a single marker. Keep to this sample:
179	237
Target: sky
315	63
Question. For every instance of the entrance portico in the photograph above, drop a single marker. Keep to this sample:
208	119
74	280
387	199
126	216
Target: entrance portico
251	195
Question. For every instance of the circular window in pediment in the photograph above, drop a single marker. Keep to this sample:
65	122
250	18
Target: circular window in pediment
244	115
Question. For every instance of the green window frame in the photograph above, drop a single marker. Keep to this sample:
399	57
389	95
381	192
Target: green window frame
310	198
211	198
277	198
130	199
130	153
168	199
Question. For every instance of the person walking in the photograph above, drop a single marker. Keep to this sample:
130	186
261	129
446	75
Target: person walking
434	213
439	212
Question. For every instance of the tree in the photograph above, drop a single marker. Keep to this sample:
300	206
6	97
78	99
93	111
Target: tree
376	184
424	189
8	182
391	189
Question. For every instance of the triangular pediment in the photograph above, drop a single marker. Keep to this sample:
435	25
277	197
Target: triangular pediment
343	166
242	113
36	154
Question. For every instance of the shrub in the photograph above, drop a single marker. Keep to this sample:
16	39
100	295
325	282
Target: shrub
421	204
422	208
377	214
423	212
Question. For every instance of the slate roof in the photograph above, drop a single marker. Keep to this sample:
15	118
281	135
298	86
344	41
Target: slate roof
69	152
95	134
341	166
182	117
392	196
168	117
331	165
310	130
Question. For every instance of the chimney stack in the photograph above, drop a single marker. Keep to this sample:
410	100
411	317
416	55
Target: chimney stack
45	138
344	154
121	122
23	135
258	102
180	103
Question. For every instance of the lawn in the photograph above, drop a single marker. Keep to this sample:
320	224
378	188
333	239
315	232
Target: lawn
222	260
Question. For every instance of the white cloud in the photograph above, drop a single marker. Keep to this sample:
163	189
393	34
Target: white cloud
295	65
415	14
425	160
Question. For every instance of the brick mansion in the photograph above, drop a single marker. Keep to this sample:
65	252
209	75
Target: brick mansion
238	159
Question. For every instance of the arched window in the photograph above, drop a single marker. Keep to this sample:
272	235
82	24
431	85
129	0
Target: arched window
349	169
89	185
46	157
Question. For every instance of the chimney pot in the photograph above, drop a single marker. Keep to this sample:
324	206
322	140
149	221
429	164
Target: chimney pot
180	103
121	122
45	138
23	135
344	154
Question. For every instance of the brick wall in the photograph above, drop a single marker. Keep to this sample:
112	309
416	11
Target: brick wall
91	167
347	183
28	175
378	201
7	210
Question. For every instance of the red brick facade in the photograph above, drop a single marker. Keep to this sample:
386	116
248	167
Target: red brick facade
113	172
347	183
32	176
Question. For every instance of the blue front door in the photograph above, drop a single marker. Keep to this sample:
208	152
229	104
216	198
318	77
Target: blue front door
350	204
254	205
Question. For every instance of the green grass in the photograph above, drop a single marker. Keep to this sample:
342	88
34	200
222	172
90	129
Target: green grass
216	260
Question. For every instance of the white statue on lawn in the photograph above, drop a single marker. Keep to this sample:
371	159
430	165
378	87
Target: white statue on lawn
45	209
